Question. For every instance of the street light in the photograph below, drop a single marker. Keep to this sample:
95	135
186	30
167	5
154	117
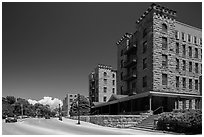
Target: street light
78	99
60	118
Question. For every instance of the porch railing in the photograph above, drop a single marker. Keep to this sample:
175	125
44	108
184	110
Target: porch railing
159	108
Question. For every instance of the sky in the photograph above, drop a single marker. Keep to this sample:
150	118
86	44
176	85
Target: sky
49	49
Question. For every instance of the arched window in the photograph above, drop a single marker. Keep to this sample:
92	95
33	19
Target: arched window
164	27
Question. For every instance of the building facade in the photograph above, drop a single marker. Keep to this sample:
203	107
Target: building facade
67	101
163	58
102	83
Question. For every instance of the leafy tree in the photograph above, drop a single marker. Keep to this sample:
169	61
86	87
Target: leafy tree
11	99
84	106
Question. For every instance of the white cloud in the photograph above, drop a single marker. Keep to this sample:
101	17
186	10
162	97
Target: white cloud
53	103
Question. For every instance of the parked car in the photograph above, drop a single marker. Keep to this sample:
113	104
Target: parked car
10	119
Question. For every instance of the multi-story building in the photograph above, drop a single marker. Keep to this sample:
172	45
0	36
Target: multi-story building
102	83
67	101
159	65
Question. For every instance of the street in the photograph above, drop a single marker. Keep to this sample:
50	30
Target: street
40	126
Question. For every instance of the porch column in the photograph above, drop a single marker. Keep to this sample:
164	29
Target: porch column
150	103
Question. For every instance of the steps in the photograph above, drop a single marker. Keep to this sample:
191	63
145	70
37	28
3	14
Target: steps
148	123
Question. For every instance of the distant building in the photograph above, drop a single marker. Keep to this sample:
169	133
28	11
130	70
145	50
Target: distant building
102	83
159	65
67	101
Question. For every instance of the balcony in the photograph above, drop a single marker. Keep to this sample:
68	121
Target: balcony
130	48
129	62
130	76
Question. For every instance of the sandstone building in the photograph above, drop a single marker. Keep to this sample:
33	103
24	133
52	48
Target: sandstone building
159	65
67	101
102	83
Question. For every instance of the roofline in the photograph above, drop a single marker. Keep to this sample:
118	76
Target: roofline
188	25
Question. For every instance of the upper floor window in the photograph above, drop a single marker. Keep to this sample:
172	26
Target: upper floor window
164	43
144	63
113	75
164	27
177	34
104	74
184	65
196	67
121	75
113	90
164	79
189	38
144	83
200	41
144	46
190	51
105	81
121	64
127	42
113	82
144	32
177	81
177	48
104	98
190	66
164	60
177	64
183	36
196	84
190	83
104	89
195	40
196	52
184	50
121	53
184	82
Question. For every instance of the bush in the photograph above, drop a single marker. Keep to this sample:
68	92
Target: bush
181	121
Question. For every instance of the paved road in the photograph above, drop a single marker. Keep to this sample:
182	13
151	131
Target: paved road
53	126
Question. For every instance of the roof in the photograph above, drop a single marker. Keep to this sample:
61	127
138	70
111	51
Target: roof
116	97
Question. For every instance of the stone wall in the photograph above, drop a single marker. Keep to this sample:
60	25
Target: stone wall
118	121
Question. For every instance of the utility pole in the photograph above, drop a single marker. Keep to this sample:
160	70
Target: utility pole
78	99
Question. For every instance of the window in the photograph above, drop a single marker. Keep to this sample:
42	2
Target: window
144	63
70	95
105	81
70	100
177	48
164	27
75	95
184	82
121	53
200	41
113	75
113	90
144	32
121	75
113	82
144	81
104	98
182	36
133	85
177	35
196	52
196	67
177	64
184	65
196	84
164	43
190	52
195	40
144	46
190	83
164	79
104	89
189	38
121	64
121	89
184	50
104	74
164	61
190	66
177	82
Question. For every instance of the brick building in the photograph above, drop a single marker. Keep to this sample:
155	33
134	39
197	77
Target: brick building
67	101
102	83
159	65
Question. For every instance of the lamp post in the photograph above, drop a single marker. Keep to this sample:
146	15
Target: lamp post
60	118
78	98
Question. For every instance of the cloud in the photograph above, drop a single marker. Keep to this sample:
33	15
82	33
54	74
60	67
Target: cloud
53	103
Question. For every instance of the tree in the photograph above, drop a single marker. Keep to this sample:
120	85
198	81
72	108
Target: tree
84	106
